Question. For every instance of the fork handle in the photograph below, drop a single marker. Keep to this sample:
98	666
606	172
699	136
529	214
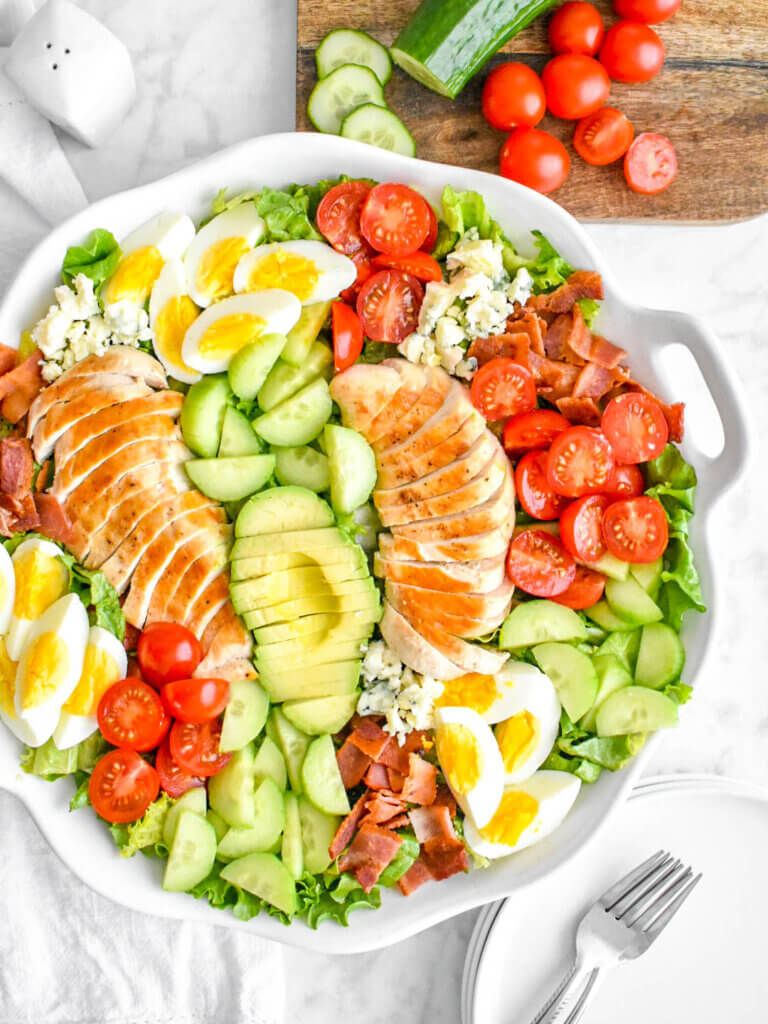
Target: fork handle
569	1000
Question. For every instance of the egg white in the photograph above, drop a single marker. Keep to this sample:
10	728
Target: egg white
527	690
171	287
164	237
554	793
74	726
481	800
19	625
287	265
8	698
244	228
7	589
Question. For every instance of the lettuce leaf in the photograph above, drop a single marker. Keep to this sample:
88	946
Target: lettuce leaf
97	258
146	834
589	310
404	859
48	762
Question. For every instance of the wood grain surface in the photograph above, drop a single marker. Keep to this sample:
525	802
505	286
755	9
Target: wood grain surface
711	100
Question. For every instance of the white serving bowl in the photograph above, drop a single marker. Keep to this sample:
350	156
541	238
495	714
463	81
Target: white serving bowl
80	839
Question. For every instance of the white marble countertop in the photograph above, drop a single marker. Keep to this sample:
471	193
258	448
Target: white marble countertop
207	79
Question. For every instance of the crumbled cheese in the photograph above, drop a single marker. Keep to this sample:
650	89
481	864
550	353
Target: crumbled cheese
391	689
438	296
520	287
480	255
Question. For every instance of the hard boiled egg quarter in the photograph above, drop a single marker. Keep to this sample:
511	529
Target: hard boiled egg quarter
104	663
8	698
217	249
312	271
526	813
145	250
470	759
221	330
50	666
40	579
171	314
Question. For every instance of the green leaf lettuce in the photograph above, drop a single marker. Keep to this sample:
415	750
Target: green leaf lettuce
97	258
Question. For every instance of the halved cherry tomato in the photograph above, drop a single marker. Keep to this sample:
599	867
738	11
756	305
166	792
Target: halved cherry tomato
536	159
122	786
625	482
636	530
650	164
603	137
362	260
539	564
581	527
195	747
529	431
502	388
580	462
338	215
512	96
132	716
636	427
649	11
576	85
631	52
347	336
167	651
196	700
418	264
429	242
173	779
535	495
585	591
395	219
576	27
388	305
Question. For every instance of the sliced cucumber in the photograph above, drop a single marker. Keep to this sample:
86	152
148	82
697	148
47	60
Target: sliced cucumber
321	778
266	877
334	680
281	510
285	380
318	715
302	467
300	418
192	854
230	479
630	602
661	656
293	743
230	792
611	676
540	621
192	800
609	565
602	614
623	645
337	94
291	852
317	832
244	716
573	676
352	468
348	46
649	576
250	366
378	126
238	436
302	336
270	764
220	827
202	414
269	819
635	709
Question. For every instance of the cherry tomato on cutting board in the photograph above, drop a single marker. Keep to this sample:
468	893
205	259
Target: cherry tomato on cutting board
388	305
167	651
539	564
631	52
347	336
513	96
502	388
395	219
338	215
174	780
575	85
576	27
585	591
132	716
636	428
195	747
535	158
533	490
650	164
636	530
418	264
603	137
529	431
648	11
580	462
581	527
196	700
122	786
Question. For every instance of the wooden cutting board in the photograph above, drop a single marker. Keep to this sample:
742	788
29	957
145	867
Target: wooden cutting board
711	99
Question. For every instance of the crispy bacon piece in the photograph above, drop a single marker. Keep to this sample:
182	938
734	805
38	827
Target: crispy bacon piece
445	798
353	763
23	510
7	520
377	777
346	829
416	875
420	785
53	520
675	416
582	284
507	346
431	822
525	321
396	780
371	851
370	738
394	756
444	857
20	386
582	411
17	467
593	382
553	379
131	638
7	358
605	353
380	808
399	822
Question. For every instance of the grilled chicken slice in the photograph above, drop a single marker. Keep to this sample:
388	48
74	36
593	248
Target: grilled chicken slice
429	401
210	601
462	625
399	467
412	649
225	639
436	428
362	392
195	547
492	512
474	605
413	381
64	416
457	473
461	549
197	578
232	671
469	657
478	576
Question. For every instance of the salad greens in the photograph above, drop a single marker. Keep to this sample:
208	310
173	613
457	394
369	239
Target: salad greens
97	258
146	834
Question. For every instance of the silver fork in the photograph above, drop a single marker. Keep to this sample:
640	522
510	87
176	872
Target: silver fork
620	926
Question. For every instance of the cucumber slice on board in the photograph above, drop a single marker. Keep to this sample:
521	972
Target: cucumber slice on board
607	619
269	819
244	716
193	800
630	602
336	95
304	333
192	854
352	468
540	621
251	364
302	467
378	126
300	418
661	656
282	510
291	852
293	743
317	832
230	479
635	709
348	46
238	436
319	715
611	676
573	676
285	380
202	415
270	764
230	793
321	778
263	875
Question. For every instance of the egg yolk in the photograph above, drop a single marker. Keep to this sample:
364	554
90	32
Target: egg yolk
171	325
216	268
516	738
40	580
287	270
516	811
100	671
228	335
44	667
470	691
134	277
7	681
460	756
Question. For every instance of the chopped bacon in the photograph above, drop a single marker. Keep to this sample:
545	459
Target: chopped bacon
582	284
23	510
399	822
17	467
54	522
553	379
353	763
396	780
394	756
525	321
131	638
416	875
445	798
416	741
420	786
444	857
377	777
7	521
346	829
582	411
430	822
372	850
605	353
675	416
370	738
380	808
593	382
7	358
20	386
506	346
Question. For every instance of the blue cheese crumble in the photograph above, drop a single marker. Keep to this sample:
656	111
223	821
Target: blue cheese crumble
392	689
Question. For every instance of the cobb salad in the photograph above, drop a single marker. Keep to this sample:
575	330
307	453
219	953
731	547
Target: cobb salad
340	549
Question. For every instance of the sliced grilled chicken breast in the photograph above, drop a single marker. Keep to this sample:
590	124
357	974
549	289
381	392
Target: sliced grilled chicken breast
362	392
477	576
413	381
444	480
438	383
412	649
492	512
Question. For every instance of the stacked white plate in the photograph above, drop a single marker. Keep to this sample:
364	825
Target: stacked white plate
709	966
